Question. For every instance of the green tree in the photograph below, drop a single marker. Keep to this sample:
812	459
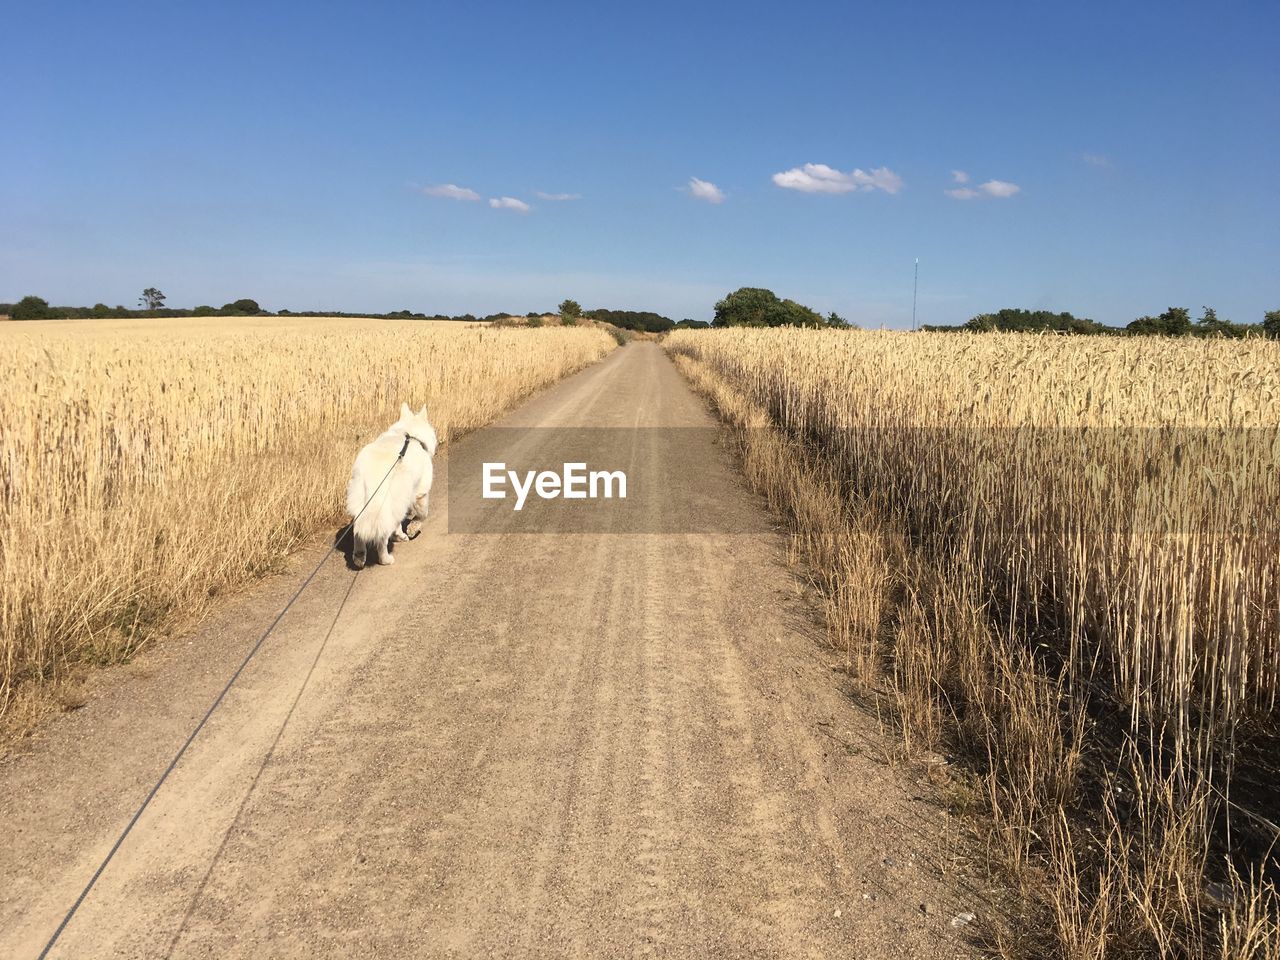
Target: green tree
30	308
570	311
1210	326
757	307
798	315
1209	322
1271	324
242	308
748	307
1174	322
151	299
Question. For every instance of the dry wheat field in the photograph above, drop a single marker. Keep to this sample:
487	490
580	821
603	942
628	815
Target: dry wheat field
148	466
1059	560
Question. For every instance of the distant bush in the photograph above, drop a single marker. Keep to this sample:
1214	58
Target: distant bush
204	310
535	321
241	308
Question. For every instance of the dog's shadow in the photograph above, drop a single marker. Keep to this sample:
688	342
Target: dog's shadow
343	542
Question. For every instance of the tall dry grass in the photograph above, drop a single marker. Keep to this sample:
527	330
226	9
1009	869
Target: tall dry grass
1059	558
146	467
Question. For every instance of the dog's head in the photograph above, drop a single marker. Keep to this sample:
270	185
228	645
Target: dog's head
418	426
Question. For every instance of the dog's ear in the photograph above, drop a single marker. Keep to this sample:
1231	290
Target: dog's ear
405	412
423	412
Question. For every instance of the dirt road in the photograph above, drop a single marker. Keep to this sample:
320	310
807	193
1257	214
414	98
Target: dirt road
508	745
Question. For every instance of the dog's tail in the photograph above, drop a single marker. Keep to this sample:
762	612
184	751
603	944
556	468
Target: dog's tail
357	494
374	520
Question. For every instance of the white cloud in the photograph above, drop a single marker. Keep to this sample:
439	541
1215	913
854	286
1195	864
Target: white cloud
1000	188
557	196
820	178
452	191
992	188
509	203
705	190
1096	159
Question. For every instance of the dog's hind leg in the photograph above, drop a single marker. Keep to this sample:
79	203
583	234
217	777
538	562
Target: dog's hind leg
412	525
357	552
384	553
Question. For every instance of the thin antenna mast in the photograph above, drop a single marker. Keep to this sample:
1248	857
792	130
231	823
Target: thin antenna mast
915	286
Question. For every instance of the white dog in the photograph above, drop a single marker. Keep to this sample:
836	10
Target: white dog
402	499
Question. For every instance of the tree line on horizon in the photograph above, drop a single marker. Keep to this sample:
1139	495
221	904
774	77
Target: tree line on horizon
1174	322
744	307
151	305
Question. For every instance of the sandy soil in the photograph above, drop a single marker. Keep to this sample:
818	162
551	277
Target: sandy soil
508	745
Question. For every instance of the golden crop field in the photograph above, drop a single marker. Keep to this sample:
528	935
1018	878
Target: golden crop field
147	465
1059	558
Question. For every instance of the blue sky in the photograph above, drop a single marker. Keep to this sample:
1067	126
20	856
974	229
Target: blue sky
285	150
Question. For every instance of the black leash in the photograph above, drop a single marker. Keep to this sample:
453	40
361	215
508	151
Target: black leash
214	706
